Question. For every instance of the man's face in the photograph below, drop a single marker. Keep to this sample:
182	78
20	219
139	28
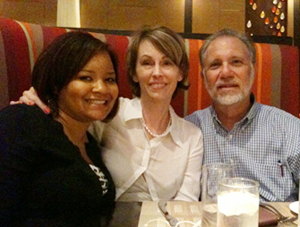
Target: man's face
228	71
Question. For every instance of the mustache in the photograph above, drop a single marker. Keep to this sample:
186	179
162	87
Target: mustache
221	84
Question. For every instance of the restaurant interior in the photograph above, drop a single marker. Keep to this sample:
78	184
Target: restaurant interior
190	17
267	21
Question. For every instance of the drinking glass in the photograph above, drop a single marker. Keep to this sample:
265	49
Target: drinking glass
211	174
238	203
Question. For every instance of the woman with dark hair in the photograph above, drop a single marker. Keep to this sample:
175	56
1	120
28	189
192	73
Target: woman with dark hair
150	151
51	171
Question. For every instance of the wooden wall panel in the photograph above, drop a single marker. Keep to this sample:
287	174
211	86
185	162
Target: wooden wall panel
94	14
132	17
208	15
34	11
234	5
232	19
232	15
132	14
211	16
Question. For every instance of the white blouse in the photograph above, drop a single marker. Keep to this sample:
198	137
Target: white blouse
166	167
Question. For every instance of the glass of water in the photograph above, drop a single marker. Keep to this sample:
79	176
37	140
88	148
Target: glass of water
238	203
211	174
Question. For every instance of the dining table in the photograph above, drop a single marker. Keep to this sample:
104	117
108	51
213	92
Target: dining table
138	214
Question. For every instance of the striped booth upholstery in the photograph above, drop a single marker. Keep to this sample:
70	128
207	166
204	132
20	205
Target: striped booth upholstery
276	83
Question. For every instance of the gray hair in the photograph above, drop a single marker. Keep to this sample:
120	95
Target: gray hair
228	33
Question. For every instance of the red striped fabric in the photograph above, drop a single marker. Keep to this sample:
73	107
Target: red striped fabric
264	75
198	98
119	45
290	91
276	82
178	103
194	96
50	33
17	57
4	96
276	76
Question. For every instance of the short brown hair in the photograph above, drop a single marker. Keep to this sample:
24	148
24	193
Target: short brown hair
167	42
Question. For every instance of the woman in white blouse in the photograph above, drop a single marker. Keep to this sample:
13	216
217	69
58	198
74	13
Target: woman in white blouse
151	152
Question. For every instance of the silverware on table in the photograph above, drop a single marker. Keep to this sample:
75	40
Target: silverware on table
282	219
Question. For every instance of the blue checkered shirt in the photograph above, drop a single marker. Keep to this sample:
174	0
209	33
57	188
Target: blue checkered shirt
263	146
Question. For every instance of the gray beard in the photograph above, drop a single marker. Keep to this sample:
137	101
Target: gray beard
230	99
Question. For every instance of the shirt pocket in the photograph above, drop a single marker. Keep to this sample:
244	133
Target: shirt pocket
275	180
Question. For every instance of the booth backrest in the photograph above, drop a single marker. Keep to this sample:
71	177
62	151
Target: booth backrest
276	83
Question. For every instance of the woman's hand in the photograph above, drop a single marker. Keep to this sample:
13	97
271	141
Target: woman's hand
31	98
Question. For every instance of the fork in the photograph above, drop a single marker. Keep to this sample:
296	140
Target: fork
271	208
282	220
288	222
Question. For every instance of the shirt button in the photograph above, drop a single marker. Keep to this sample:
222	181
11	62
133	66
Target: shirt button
229	137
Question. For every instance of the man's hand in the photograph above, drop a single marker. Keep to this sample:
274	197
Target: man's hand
31	98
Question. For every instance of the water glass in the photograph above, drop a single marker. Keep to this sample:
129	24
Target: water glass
238	203
211	174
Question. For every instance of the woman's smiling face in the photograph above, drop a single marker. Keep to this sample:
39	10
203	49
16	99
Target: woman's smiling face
156	73
91	94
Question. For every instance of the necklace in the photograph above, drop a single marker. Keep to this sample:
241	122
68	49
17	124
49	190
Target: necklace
158	135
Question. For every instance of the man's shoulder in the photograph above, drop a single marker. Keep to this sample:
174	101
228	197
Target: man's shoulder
199	114
270	115
199	117
276	113
185	124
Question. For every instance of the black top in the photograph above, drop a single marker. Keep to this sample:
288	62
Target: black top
43	179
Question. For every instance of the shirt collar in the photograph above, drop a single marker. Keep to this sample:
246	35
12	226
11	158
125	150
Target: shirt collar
175	128
134	111
253	110
248	117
